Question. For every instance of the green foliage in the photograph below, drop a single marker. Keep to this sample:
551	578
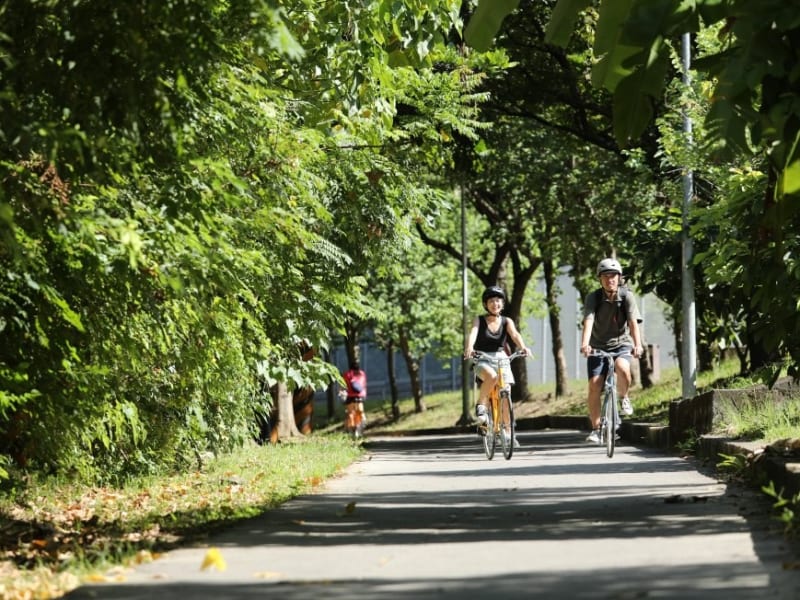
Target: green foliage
193	193
754	101
788	508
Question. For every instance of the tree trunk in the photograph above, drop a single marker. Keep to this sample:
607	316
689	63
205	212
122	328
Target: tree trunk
413	372
513	310
330	393
351	338
285	426
551	295
646	368
390	369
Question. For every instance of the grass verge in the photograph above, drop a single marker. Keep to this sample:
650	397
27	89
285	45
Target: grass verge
56	534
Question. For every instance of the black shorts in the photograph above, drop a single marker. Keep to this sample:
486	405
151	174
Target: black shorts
351	399
596	365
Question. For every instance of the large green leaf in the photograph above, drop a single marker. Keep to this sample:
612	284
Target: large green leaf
789	180
613	14
562	22
633	111
485	22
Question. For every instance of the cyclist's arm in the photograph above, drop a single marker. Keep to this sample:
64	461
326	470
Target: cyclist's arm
515	336
473	335
588	322
638	350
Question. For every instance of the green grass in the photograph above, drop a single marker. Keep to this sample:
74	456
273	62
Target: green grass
761	421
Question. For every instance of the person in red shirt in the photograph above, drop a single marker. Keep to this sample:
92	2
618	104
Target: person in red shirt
356	380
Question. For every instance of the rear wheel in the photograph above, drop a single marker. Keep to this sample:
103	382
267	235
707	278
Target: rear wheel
506	416
489	440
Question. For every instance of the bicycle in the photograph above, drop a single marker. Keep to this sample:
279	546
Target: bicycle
353	417
501	416
609	408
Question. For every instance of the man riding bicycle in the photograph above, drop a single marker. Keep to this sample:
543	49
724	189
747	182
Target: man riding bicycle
489	334
610	323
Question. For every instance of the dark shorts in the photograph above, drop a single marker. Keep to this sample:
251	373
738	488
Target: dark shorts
595	365
351	399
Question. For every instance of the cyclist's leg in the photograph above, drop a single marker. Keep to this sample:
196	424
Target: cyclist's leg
349	419
595	368
622	366
361	412
488	378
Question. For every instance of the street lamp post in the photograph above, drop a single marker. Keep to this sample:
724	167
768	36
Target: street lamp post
688	333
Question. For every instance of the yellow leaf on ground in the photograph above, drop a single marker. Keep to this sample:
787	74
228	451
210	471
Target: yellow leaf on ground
214	559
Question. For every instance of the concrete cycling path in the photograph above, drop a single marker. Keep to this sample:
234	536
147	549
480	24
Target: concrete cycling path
430	517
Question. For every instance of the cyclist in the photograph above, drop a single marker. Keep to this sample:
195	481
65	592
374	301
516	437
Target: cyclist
610	323
356	380
490	333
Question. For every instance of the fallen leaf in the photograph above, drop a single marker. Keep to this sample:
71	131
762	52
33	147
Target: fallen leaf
214	559
351	506
266	575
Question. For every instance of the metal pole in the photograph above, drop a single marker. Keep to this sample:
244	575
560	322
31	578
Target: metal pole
465	378
688	333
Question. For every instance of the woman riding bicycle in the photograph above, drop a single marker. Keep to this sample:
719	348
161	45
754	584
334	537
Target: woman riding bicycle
489	334
610	323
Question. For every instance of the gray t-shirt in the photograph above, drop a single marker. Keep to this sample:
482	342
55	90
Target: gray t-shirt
610	329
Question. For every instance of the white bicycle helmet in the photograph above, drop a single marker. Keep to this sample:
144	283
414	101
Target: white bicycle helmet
609	265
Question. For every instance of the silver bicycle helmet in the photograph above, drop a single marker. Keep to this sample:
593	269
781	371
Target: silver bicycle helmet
609	265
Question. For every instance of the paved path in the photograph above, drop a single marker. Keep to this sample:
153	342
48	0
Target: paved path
434	519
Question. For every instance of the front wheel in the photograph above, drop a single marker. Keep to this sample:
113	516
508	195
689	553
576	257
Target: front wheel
489	440
506	415
611	419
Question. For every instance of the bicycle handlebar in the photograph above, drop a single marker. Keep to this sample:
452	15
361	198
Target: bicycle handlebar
601	353
477	354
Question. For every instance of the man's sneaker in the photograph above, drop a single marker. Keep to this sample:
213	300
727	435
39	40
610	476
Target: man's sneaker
594	437
627	408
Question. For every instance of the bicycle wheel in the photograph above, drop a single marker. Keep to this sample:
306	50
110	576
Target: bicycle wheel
506	415
489	440
610	417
